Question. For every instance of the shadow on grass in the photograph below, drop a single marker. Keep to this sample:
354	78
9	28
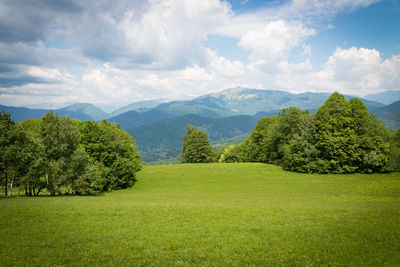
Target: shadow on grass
47	194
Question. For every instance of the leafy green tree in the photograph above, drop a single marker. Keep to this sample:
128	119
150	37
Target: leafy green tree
370	143
300	152
394	155
122	174
258	147
123	144
292	122
6	126
196	147
34	180
334	134
229	154
342	137
88	176
348	138
97	143
14	158
60	138
115	149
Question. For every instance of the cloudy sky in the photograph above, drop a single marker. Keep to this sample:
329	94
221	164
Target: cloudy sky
116	52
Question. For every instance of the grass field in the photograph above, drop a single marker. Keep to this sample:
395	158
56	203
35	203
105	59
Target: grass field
213	214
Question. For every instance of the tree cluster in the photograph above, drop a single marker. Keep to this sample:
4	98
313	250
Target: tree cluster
61	155
342	137
196	147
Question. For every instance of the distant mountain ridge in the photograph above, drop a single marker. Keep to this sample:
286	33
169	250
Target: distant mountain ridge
19	114
389	115
91	110
140	106
226	103
163	139
230	102
387	97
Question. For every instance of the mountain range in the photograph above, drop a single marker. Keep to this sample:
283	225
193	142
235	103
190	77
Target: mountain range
163	140
158	126
387	97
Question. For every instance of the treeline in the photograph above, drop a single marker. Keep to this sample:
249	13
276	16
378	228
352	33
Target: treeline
342	137
65	156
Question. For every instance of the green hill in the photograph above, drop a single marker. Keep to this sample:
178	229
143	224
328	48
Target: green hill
211	215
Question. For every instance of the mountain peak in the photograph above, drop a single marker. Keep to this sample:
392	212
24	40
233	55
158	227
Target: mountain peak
89	109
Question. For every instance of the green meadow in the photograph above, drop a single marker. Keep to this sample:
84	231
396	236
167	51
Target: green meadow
211	214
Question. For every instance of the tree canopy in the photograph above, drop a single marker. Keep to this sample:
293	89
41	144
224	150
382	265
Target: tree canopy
196	147
66	156
342	137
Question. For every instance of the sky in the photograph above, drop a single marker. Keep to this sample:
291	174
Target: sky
112	53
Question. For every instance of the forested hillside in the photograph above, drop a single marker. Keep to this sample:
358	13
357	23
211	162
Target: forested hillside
163	140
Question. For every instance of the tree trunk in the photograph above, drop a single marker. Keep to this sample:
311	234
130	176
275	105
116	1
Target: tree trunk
6	185
11	184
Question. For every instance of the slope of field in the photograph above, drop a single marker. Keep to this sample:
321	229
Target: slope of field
215	214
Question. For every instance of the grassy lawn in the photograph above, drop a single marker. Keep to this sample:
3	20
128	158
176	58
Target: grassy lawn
213	214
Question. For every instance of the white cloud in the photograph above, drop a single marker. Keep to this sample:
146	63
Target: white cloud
224	67
357	71
133	50
163	35
275	40
324	7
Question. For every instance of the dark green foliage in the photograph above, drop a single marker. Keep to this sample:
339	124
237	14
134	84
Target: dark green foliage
66	156
97	143
342	137
258	146
122	174
348	138
195	147
113	148
14	157
394	157
299	152
60	138
123	144
91	177
6	125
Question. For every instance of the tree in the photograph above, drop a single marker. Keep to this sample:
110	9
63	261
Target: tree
112	148
97	143
196	147
394	156
6	126
334	132
348	138
370	141
123	144
60	138
229	154
299	152
342	137
258	147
